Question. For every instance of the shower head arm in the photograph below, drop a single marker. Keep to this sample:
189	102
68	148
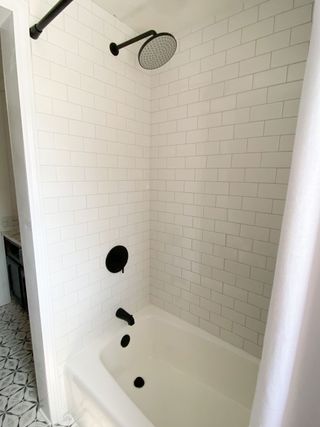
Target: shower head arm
114	48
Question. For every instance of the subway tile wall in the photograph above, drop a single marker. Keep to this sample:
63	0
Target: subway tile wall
224	114
211	133
93	142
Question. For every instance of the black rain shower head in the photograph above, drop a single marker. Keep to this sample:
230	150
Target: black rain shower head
155	52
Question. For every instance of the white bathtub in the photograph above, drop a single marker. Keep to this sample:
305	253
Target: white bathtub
192	379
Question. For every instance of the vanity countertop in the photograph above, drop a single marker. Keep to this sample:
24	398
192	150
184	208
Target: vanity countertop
14	236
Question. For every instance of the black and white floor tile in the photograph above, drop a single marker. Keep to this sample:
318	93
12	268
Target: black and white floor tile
19	406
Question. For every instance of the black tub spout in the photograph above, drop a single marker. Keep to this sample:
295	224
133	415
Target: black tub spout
124	315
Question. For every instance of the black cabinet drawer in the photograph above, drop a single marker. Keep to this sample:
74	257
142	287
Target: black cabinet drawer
15	271
12	250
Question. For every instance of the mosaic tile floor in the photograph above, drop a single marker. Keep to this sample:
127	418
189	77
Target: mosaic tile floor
19	405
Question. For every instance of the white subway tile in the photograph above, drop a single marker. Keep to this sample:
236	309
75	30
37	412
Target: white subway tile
215	30
198	108
257	30
293	17
253	97
250	285
249	130
270	77
66	109
272	191
190	40
233	315
247	309
66	76
285	91
254	65
222	74
231	175
268	220
253	259
241	52
234	146
296	71
291	108
263	144
227	41
267	111
265	248
241	216
243	189
290	55
246	160
200	80
260	174
239	243
280	126
201	51
273	42
286	143
187	70
301	33
211	92
245	333
213	61
236	116
209	120
188	97
50	88
243	19
229	201
223	103
274	7
253	232
241	84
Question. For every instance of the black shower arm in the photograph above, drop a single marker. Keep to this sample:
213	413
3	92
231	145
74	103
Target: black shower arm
116	47
37	28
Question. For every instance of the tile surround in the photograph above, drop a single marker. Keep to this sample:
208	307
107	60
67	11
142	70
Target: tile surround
93	136
224	113
191	162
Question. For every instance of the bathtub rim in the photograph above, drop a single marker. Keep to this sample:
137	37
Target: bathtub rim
115	326
89	363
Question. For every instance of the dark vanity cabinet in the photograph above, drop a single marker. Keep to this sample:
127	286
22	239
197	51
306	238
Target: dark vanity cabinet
16	272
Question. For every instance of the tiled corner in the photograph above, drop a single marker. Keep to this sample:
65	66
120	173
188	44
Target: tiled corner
224	113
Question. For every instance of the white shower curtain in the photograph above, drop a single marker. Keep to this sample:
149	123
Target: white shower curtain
288	389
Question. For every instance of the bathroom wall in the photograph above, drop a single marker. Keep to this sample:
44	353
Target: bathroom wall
93	137
8	205
223	122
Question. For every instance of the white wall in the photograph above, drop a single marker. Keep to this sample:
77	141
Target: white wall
224	116
93	136
8	205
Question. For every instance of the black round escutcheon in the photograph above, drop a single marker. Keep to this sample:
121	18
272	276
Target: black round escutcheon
117	259
125	340
138	382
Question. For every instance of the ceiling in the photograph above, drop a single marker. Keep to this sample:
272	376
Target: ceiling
166	15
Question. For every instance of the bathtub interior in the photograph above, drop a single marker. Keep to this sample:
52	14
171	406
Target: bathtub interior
191	378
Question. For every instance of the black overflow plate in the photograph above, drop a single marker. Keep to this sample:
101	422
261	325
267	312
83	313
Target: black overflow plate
117	259
125	341
138	382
